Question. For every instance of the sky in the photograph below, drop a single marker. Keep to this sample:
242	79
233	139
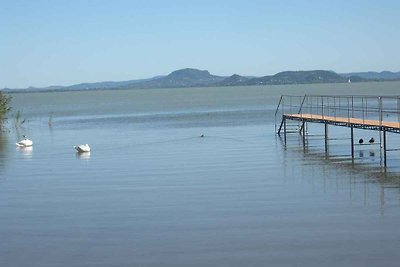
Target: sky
56	42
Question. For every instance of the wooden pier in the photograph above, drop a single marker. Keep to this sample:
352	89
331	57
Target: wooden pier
377	113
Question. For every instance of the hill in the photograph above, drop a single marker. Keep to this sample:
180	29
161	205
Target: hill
190	77
300	77
181	78
233	80
373	75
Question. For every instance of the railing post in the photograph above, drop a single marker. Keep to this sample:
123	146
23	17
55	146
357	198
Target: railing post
329	110
348	109
277	110
302	104
322	106
334	106
362	109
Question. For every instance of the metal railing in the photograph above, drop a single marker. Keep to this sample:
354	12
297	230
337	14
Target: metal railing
363	107
288	104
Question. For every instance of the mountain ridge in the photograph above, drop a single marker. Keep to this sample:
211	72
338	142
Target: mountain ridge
374	75
191	77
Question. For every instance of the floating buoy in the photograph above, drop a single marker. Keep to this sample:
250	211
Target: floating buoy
360	141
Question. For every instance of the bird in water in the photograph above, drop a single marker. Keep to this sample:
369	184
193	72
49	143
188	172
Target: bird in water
24	142
202	135
360	141
82	148
372	140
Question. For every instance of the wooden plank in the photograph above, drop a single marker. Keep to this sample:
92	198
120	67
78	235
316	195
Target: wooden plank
375	123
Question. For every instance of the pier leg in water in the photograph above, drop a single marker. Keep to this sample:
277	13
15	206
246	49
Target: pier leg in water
352	142
284	129
380	145
303	133
326	140
384	147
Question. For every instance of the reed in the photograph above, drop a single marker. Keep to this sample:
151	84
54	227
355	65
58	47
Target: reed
4	107
18	119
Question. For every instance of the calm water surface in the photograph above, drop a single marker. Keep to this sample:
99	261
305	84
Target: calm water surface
154	193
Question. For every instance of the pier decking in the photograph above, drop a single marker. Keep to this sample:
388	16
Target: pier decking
348	122
378	113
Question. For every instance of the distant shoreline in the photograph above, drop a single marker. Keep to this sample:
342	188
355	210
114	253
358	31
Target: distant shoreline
23	91
188	78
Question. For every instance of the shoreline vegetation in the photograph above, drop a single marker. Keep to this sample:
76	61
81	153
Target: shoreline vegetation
202	78
4	108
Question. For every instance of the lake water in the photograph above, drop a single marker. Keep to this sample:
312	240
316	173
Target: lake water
152	192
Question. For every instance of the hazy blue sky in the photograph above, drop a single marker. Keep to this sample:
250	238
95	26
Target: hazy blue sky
65	42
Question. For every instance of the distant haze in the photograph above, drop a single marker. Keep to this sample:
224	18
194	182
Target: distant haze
47	43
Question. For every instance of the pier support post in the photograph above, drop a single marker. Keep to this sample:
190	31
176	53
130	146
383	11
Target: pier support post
303	133
384	147
326	138
352	142
284	129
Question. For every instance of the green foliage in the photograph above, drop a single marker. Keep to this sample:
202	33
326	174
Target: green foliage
4	107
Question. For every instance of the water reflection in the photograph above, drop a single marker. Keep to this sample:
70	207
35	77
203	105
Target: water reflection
367	167
25	151
361	179
83	155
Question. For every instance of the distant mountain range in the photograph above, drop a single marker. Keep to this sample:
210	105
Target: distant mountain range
202	78
373	75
